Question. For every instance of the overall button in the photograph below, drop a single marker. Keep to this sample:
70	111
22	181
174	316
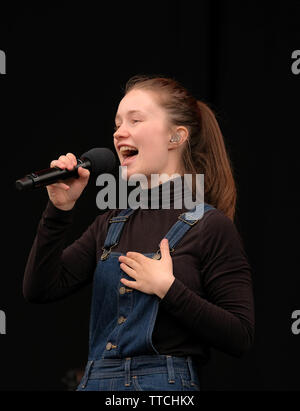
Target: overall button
109	346
122	290
121	319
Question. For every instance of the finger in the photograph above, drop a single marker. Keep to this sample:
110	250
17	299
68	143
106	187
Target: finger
135	256
129	284
128	261
67	161
73	158
59	163
164	248
128	270
83	172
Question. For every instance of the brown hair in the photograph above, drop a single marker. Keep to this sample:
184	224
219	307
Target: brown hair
205	151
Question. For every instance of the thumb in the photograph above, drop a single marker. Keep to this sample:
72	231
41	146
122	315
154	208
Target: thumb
83	172
164	248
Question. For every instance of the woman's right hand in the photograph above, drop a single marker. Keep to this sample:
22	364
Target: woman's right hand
64	194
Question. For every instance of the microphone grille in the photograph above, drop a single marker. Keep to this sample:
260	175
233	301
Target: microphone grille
102	160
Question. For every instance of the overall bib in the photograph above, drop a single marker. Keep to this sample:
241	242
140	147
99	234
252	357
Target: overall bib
121	354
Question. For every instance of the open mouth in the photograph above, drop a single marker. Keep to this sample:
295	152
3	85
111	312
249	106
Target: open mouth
128	154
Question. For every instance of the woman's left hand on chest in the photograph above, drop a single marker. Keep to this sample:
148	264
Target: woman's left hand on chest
151	276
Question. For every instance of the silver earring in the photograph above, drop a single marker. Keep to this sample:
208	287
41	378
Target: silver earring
175	139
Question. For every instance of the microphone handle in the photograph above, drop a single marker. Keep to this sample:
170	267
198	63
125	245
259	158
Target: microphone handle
49	176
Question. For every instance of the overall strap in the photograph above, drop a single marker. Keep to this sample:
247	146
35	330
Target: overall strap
114	231
186	221
174	235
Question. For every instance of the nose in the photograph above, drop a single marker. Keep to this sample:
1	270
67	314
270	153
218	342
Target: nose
121	132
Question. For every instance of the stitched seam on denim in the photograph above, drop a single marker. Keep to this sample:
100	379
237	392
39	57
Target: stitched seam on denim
142	360
137	359
136	385
95	374
152	322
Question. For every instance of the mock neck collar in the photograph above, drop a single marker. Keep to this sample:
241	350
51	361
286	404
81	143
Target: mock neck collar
167	195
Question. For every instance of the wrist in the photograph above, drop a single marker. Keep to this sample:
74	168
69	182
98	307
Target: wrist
165	286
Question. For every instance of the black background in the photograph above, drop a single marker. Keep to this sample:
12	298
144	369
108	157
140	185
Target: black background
66	66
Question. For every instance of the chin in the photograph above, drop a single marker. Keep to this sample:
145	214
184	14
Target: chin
128	173
134	174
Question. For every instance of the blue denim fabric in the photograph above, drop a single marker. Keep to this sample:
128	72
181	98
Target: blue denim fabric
122	319
143	373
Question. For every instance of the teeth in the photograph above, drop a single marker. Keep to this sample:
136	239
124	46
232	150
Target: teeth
126	148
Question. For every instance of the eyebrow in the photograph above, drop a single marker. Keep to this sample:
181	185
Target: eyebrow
128	112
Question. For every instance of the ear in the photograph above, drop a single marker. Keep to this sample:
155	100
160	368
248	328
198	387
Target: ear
180	135
183	132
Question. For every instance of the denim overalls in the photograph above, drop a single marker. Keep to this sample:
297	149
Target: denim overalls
121	354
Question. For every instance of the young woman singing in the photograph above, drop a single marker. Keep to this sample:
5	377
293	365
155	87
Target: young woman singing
166	286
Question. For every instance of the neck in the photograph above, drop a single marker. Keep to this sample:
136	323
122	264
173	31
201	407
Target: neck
163	194
157	179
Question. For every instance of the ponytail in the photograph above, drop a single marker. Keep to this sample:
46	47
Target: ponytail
206	154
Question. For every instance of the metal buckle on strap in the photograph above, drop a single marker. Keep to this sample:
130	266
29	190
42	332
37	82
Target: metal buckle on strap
189	222
157	255
118	220
106	252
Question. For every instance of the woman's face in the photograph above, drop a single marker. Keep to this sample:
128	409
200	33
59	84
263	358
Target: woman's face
142	124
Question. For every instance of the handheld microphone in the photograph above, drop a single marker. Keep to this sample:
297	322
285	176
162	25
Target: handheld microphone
97	160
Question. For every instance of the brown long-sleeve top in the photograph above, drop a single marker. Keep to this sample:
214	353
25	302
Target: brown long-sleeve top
210	303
